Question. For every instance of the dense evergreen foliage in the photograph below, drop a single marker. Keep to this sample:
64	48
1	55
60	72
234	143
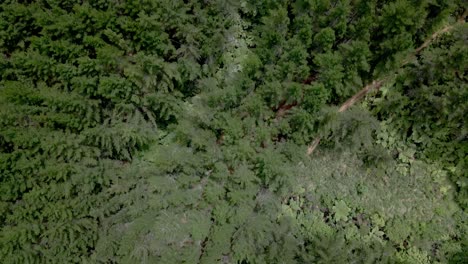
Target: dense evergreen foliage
170	131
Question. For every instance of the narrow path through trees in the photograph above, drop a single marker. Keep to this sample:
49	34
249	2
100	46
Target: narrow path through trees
376	84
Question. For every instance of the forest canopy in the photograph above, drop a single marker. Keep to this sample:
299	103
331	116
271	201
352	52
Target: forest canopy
224	131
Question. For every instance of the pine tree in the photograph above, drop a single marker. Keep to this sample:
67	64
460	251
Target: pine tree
175	131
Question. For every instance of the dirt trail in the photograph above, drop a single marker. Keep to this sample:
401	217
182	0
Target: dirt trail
376	84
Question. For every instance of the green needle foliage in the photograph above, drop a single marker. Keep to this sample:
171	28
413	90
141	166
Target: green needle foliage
170	131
